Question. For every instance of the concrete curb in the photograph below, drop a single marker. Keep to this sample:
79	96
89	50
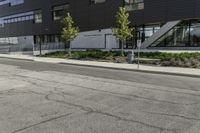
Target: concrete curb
62	61
135	70
18	58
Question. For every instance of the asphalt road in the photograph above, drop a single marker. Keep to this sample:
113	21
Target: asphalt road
54	98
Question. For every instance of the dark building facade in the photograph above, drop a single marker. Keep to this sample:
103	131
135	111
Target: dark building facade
29	22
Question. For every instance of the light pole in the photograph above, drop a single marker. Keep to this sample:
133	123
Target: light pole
40	45
139	44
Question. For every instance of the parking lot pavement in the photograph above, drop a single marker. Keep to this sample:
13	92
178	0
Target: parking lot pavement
60	102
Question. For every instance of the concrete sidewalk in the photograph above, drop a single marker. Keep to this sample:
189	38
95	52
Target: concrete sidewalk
128	67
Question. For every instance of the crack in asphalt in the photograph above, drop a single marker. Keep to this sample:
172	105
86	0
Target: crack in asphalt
144	88
135	96
42	122
90	110
14	91
173	115
97	79
124	84
113	93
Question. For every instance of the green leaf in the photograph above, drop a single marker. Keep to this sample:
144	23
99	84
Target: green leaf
122	31
69	32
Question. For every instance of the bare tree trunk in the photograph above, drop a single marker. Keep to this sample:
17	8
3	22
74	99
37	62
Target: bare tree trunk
66	47
40	45
122	48
69	51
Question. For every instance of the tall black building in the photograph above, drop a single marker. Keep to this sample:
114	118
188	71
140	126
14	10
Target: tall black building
160	24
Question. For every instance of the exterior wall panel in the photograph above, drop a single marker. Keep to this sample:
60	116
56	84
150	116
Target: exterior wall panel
95	17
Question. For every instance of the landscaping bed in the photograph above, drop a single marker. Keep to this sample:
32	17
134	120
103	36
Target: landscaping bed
190	60
91	55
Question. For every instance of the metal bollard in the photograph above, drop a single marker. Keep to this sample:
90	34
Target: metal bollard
130	57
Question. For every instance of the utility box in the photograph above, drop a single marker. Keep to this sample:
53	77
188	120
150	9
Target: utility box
130	57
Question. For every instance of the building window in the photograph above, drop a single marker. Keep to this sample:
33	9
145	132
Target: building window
37	40
35	16
1	23
185	34
141	33
4	2
14	19
96	1
147	31
194	33
11	2
16	2
131	5
45	39
38	16
9	40
59	11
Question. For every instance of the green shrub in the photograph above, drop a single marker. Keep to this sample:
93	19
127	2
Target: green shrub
171	59
169	56
60	54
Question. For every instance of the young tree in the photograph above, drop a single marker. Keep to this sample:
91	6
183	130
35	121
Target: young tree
69	32
122	31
